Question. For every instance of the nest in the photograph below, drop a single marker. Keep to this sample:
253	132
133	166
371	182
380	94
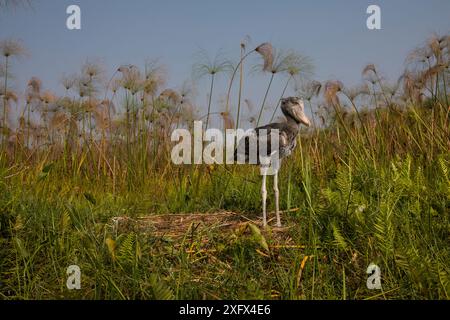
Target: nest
176	226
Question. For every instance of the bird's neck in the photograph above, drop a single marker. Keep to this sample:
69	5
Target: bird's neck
292	123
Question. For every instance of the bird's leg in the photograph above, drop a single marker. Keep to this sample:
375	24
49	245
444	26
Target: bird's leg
277	197
264	197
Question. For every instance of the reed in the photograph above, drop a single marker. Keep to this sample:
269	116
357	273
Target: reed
86	178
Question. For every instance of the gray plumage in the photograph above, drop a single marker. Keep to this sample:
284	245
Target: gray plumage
288	131
293	110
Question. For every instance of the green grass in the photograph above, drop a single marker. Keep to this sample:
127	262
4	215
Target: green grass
371	184
356	203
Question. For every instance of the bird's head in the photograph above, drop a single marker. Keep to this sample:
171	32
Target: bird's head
294	108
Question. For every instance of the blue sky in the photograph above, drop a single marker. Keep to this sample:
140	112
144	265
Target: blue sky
332	33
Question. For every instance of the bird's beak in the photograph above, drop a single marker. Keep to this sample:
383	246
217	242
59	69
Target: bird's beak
299	115
304	119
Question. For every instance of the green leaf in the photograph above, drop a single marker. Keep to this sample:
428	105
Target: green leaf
258	236
160	290
111	244
20	247
339	239
47	168
89	197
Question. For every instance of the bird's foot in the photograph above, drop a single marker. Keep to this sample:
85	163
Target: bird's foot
278	222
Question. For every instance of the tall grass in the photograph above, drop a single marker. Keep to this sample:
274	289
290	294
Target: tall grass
371	184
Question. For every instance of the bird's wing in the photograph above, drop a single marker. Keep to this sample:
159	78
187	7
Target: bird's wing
262	135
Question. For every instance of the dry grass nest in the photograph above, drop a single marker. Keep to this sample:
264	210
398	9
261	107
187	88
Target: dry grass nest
179	226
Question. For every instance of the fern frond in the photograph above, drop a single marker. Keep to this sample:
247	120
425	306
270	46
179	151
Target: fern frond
160	290
339	239
443	166
126	249
344	181
384	230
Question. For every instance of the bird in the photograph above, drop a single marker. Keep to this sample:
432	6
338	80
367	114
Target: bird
275	141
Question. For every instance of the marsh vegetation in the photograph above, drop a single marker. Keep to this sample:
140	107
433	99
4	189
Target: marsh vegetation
86	178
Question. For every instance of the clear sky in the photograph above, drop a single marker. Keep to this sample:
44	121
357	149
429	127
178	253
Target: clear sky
332	33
